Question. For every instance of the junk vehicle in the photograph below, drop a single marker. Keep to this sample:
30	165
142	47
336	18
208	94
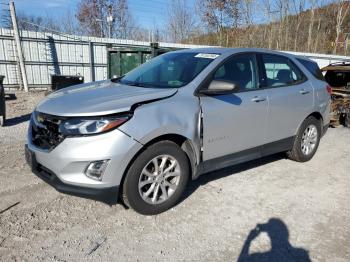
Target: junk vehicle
144	135
337	76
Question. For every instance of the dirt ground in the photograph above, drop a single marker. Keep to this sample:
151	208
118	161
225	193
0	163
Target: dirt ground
273	209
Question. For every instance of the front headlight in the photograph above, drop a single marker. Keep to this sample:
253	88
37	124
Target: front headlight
89	126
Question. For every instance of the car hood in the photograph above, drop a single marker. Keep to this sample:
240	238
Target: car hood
99	98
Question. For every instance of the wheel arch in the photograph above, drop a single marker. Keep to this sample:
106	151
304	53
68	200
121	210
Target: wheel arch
316	115
183	142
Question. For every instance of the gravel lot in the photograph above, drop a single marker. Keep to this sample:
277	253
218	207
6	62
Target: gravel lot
304	209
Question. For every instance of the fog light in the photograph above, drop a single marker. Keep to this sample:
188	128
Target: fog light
95	169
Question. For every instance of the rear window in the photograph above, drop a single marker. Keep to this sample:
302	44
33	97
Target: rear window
312	67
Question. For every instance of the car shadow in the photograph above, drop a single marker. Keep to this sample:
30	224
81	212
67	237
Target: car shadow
17	120
232	170
281	248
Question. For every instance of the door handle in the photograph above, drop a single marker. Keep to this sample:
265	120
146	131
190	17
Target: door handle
258	99
304	92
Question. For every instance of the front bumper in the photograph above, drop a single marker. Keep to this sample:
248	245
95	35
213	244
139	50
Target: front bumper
64	166
108	195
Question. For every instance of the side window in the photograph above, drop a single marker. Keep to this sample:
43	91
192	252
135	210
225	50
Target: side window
281	71
312	67
240	69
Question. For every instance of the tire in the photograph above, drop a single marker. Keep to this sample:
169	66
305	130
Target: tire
2	110
298	152
2	120
141	182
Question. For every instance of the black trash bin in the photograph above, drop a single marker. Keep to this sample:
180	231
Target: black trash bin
61	81
2	102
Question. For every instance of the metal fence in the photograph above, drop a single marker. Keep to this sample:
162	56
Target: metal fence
47	53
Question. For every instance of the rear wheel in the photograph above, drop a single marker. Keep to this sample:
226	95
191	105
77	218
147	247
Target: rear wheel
157	178
307	140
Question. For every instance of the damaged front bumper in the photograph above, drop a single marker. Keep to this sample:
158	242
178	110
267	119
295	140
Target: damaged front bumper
108	195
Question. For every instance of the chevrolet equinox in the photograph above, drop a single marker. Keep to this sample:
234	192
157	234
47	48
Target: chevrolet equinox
143	136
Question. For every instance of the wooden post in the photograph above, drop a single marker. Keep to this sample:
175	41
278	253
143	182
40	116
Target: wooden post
18	45
91	60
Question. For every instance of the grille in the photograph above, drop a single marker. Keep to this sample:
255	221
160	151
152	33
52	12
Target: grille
45	131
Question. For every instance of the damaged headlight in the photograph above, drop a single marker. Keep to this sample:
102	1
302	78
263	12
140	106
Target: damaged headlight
89	126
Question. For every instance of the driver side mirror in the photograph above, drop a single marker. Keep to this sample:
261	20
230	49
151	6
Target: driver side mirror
218	87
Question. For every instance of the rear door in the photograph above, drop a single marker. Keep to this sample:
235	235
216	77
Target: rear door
235	122
290	96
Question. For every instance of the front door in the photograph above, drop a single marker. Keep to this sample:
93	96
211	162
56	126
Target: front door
235	122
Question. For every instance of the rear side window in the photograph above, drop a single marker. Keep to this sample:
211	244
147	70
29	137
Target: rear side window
312	67
281	71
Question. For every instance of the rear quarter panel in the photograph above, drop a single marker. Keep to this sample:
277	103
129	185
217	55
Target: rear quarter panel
322	99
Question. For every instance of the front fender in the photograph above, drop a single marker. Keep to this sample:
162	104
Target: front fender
177	115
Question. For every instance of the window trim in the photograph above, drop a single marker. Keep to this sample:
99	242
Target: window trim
262	78
264	75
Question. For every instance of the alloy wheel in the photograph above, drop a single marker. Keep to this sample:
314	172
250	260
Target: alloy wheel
159	179
309	140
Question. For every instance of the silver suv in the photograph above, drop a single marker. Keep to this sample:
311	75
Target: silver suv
143	136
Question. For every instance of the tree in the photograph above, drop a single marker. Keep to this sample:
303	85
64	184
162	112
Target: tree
299	6
37	23
181	21
124	23
92	17
311	24
220	15
342	10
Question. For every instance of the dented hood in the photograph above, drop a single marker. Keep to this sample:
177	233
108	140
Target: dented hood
99	98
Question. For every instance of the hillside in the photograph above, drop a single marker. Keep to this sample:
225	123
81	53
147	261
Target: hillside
305	32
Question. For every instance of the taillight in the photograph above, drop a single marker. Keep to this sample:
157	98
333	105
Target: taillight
329	89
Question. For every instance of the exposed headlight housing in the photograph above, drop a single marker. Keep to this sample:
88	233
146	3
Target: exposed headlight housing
91	125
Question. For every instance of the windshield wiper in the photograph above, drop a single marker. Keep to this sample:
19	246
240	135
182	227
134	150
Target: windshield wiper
136	84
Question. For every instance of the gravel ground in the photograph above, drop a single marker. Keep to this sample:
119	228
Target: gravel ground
302	211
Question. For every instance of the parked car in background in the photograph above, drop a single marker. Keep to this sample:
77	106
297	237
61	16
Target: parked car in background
338	76
143	136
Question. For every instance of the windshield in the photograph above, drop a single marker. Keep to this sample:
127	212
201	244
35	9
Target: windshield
169	70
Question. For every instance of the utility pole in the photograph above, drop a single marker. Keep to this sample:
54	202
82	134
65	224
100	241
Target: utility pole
91	60
18	45
110	20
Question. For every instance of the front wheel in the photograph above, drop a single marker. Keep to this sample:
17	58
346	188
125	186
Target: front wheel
307	140
157	178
